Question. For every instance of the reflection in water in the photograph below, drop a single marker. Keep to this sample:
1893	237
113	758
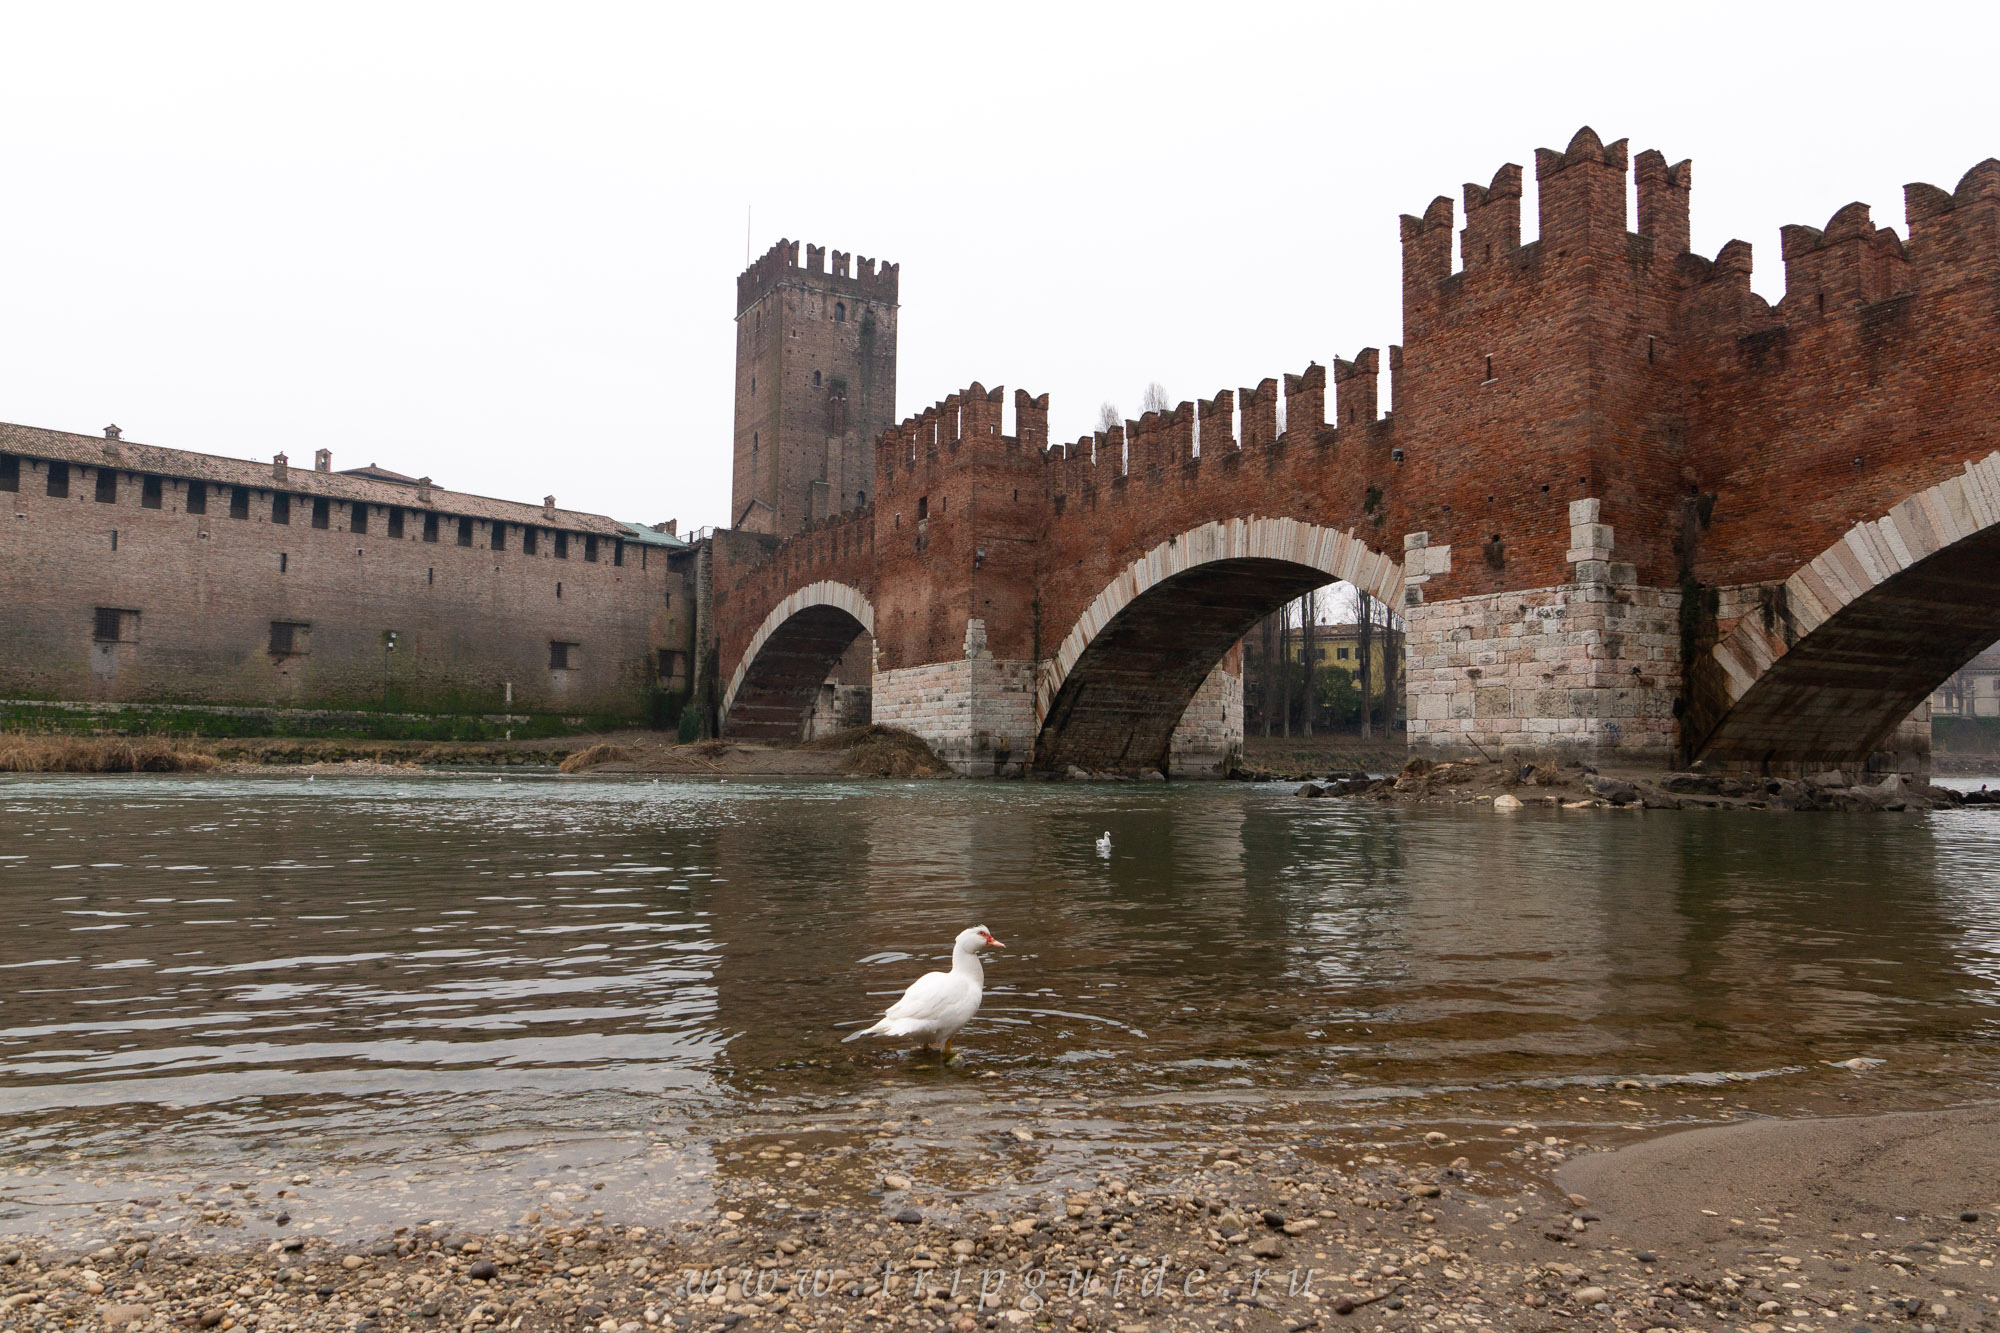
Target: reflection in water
209	960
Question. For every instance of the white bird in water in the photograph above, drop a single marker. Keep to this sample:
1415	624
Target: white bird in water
1104	844
937	1004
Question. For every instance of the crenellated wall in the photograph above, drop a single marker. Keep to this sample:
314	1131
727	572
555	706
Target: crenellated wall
1599	445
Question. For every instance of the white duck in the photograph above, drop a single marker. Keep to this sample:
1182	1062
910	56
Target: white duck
938	1004
1104	844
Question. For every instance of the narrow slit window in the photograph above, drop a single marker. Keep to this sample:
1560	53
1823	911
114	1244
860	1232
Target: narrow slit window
284	561
1489	367
617	550
840	312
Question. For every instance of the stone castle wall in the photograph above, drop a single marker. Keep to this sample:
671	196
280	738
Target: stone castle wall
115	591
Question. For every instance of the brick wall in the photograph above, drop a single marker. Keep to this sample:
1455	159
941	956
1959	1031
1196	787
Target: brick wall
199	594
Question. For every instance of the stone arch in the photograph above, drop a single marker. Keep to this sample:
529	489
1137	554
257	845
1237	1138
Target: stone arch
795	648
1822	668
1114	690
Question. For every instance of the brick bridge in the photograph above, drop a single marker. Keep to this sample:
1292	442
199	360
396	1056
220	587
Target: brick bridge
1629	509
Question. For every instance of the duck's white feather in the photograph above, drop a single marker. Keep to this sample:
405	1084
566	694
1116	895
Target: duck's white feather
937	1004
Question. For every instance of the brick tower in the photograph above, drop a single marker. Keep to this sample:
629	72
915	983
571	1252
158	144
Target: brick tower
815	385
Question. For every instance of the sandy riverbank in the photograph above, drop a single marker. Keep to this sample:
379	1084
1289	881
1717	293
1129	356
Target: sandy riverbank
1763	1226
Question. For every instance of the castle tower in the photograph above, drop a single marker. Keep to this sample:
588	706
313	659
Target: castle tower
815	385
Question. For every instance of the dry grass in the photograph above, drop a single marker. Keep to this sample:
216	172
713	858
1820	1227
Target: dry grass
78	754
882	752
595	755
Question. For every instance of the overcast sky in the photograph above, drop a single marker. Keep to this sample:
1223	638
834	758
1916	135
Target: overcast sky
497	244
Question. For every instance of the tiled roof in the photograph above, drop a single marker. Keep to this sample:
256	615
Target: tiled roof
131	456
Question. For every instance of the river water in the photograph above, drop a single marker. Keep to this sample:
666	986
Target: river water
416	984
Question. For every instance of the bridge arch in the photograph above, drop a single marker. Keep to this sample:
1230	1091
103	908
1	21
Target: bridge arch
797	646
1822	668
1116	687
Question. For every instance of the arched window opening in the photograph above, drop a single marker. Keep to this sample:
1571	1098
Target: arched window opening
840	312
815	379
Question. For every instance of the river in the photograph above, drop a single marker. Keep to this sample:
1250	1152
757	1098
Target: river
646	981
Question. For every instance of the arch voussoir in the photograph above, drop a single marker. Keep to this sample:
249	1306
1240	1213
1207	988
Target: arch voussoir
839	597
1274	554
1855	639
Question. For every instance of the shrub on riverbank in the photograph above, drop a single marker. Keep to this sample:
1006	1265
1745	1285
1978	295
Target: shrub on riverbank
882	752
595	755
76	754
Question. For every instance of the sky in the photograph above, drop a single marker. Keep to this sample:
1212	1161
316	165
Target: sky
497	244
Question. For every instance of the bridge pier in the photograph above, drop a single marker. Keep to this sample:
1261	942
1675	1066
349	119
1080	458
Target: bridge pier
1588	669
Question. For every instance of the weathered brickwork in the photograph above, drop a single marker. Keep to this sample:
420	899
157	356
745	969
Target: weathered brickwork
310	588
815	385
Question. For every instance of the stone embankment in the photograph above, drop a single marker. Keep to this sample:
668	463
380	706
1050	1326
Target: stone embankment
1579	786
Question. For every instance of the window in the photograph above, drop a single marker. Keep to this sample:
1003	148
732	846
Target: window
590	548
923	507
321	510
528	543
115	625
357	518
10	472
861	499
430	527
815	379
149	493
197	501
753	443
562	656
107	486
840	312
284	561
59	480
562	546
281	508
465	532
290	638
239	502
665	670
499	536
617	550
395	523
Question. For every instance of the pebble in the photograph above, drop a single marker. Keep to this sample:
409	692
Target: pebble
483	1271
1269	1247
895	1182
352	1262
1968	1216
116	1315
1589	1295
908	1217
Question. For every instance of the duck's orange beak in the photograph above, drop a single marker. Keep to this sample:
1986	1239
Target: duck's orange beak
995	943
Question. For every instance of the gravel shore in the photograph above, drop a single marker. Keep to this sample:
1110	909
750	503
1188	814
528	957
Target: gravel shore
1764	1226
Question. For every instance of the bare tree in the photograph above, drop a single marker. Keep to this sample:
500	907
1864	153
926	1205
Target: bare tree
1109	417
1155	399
1364	640
1309	605
1285	671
